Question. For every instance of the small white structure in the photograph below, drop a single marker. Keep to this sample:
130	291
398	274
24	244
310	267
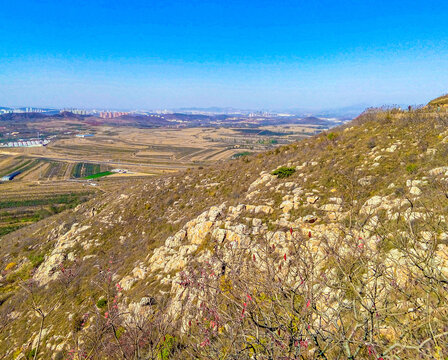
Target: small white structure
120	171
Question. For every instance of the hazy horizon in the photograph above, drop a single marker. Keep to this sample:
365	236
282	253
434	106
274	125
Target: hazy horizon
251	55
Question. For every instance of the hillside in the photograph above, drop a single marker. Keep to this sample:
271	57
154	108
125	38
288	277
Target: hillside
335	247
440	101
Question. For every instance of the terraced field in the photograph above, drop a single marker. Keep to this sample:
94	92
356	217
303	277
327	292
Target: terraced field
81	170
55	170
70	169
19	163
23	203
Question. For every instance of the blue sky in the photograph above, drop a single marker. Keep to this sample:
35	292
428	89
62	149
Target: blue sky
248	54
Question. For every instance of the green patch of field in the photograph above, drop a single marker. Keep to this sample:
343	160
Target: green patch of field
22	215
8	229
83	170
238	155
98	175
91	169
72	198
19	213
76	171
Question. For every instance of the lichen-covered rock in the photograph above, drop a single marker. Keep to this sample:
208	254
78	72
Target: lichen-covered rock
263	209
312	199
392	148
127	282
177	239
438	171
311	218
47	271
197	234
286	206
265	179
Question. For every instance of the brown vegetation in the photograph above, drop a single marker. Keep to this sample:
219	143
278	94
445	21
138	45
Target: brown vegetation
346	258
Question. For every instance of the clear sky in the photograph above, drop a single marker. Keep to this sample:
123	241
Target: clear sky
279	54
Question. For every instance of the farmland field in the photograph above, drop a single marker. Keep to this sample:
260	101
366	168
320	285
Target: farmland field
61	174
24	202
150	151
98	175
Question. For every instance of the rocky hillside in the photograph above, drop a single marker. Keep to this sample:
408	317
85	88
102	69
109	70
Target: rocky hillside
335	248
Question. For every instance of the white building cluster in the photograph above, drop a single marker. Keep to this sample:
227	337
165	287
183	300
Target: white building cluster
26	143
77	111
22	111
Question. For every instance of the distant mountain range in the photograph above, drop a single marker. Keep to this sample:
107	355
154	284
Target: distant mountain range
344	112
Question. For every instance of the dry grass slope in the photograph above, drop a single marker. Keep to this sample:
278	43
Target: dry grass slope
440	101
345	258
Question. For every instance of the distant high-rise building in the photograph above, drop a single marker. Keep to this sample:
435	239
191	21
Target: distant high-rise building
112	114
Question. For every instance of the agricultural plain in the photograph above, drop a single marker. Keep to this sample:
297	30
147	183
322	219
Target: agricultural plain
72	169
